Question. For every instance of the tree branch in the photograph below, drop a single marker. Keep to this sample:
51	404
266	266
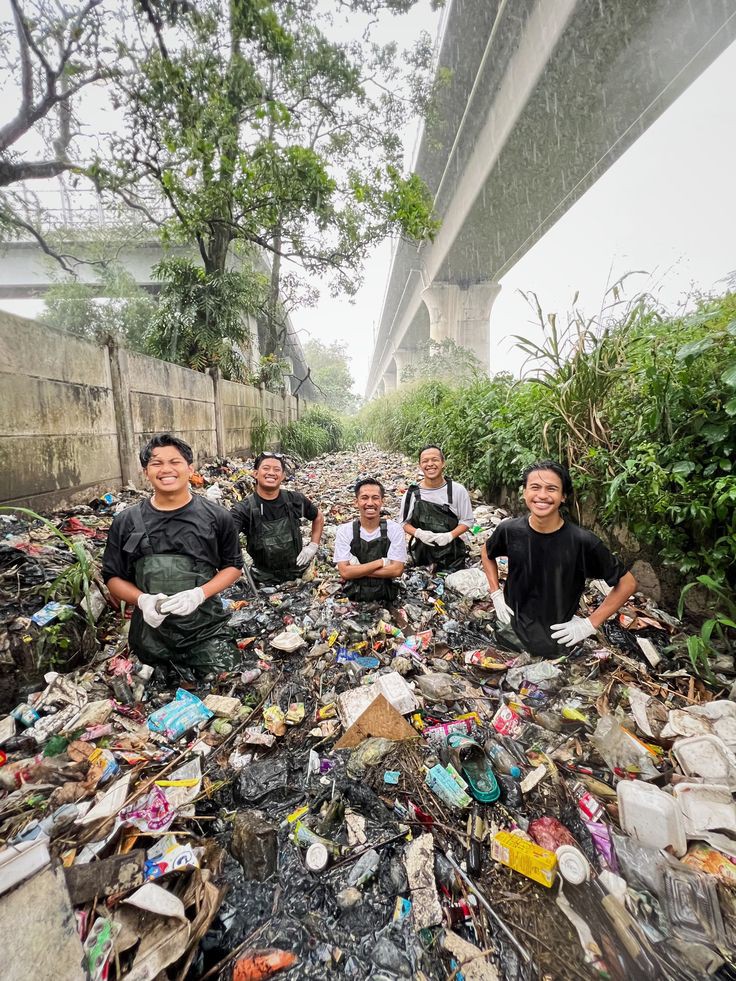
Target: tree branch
63	258
11	173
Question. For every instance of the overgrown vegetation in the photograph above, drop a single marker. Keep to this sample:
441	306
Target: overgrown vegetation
638	403
318	431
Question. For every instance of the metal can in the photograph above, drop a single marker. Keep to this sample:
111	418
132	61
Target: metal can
317	858
25	714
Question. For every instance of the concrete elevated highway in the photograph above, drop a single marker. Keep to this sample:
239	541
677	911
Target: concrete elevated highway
542	97
27	273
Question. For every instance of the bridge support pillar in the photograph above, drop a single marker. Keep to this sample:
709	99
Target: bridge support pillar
462	314
402	360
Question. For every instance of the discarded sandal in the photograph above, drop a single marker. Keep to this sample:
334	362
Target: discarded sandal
469	759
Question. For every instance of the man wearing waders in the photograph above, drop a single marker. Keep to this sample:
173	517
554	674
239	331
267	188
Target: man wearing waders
168	557
370	552
435	513
270	518
549	561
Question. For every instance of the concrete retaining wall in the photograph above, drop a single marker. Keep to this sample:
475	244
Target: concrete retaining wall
75	414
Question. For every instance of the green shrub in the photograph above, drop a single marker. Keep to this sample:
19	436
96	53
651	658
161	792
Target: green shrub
639	404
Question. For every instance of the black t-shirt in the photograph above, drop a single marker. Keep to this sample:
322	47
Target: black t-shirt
273	510
547	574
201	529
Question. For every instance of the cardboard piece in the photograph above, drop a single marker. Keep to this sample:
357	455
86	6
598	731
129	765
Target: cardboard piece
472	961
379	719
419	861
107	877
352	703
40	938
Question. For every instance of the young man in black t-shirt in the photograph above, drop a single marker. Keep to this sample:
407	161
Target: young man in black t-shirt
549	560
169	557
270	518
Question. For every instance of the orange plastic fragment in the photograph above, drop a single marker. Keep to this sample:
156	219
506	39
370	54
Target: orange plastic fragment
255	965
196	480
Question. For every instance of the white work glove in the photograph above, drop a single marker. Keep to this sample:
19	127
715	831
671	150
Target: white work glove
354	560
443	538
183	603
572	632
387	561
503	610
307	554
146	603
428	537
214	493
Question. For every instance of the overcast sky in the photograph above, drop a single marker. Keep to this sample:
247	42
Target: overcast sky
668	206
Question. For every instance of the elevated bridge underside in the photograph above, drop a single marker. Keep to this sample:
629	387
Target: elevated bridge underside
542	98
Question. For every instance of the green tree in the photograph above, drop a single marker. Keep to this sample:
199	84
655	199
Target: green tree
115	307
258	130
329	369
48	56
201	320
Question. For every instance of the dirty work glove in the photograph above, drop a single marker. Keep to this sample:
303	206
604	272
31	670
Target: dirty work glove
503	610
572	632
146	603
443	538
387	561
354	560
428	537
185	602
307	554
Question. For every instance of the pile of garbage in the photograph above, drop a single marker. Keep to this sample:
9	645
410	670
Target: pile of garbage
372	793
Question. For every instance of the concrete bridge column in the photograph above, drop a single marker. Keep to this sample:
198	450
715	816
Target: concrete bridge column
462	315
402	360
389	381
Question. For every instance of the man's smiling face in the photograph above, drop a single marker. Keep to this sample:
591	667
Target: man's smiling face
543	493
168	471
369	501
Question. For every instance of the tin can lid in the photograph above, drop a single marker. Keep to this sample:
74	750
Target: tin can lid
317	857
572	864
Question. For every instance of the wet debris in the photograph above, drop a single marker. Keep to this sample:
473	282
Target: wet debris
371	793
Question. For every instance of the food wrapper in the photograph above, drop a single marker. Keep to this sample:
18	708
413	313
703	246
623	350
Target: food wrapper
179	716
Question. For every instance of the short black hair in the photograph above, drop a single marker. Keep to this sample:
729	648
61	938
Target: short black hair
165	439
562	472
370	480
432	446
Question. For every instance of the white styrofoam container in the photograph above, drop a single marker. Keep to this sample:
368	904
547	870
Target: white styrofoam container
705	807
651	816
706	756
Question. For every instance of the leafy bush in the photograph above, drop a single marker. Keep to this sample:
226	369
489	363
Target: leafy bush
318	431
639	404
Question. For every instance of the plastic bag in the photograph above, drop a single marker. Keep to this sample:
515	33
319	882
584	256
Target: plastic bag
179	716
471	583
621	750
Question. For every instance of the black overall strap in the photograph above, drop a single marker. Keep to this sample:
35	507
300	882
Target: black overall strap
355	544
449	490
411	492
384	537
138	540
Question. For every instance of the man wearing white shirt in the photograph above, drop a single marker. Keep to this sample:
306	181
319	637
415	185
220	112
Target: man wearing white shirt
436	513
370	552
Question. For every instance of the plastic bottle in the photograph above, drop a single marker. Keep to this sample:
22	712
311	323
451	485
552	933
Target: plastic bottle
511	794
475	842
364	869
501	760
